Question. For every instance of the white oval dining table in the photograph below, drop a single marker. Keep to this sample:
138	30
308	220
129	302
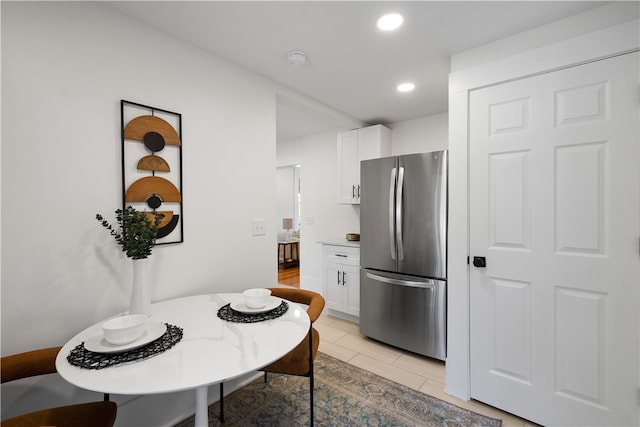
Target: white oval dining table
211	351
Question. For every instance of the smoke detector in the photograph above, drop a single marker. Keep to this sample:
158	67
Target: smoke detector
297	58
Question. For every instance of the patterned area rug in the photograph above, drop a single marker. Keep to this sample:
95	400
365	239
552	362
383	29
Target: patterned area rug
345	395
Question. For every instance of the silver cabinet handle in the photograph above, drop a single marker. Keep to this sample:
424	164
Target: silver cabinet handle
344	282
338	277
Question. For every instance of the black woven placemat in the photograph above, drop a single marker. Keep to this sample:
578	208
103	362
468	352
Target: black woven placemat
227	313
84	358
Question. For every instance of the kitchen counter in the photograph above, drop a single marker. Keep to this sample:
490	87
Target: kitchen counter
340	242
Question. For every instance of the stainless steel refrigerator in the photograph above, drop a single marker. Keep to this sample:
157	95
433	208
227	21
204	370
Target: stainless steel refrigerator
403	238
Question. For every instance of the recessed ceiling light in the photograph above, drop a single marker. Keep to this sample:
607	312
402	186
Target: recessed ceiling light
406	87
390	21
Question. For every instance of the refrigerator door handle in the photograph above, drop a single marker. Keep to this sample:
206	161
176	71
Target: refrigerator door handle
392	193
399	244
410	283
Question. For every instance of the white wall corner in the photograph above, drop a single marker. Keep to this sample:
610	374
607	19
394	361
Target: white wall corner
457	363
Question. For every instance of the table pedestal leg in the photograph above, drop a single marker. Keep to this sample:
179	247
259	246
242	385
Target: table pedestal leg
202	410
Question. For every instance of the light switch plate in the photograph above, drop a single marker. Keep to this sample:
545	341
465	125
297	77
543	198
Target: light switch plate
258	227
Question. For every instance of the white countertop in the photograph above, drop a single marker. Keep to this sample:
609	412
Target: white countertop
341	242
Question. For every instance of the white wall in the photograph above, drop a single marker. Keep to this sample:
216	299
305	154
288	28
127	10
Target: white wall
421	135
289	152
65	68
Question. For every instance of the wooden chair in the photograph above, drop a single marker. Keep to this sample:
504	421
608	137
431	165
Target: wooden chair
299	361
41	362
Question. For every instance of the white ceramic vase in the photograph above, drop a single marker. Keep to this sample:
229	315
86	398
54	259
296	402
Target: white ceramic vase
140	293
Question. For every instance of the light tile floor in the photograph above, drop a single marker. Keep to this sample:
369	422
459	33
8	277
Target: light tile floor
342	340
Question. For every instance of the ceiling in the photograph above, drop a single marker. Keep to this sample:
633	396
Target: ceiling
351	67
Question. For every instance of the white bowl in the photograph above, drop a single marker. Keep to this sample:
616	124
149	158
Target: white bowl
124	329
256	298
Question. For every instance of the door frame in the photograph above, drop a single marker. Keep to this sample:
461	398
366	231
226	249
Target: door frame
612	41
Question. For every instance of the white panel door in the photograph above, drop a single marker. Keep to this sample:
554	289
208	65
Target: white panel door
554	200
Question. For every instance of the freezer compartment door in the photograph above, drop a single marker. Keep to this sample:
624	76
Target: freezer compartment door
403	311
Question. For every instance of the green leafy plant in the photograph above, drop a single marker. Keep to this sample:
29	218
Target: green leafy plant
136	232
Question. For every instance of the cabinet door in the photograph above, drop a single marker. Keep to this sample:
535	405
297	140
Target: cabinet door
374	142
348	167
334	288
351	295
353	147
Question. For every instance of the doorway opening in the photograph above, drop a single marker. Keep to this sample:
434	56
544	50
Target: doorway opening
289	209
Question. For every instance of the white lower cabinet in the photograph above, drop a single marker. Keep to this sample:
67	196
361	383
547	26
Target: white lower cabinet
341	281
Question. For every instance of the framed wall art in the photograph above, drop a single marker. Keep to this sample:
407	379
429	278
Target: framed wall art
152	165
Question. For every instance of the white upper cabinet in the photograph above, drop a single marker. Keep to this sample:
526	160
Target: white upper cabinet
354	146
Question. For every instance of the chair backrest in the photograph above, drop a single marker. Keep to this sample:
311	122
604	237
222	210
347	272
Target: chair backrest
314	300
29	364
41	362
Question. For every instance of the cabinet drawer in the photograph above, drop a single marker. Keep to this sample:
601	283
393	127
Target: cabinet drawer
342	255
